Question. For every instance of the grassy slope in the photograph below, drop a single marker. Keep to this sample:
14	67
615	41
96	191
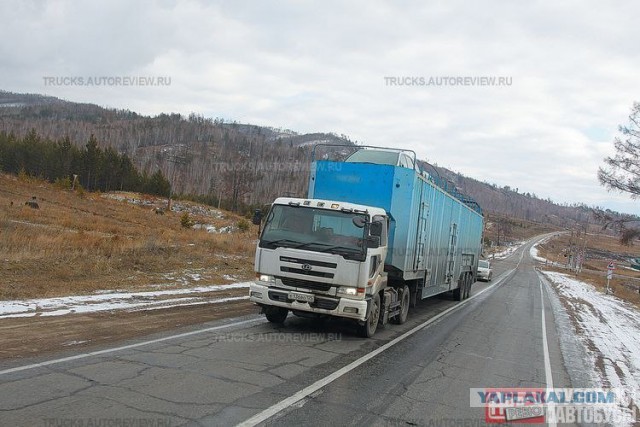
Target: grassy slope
79	244
600	250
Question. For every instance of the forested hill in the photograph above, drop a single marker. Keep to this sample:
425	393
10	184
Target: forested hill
239	163
242	164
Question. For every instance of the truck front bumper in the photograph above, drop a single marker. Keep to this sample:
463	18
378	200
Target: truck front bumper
331	306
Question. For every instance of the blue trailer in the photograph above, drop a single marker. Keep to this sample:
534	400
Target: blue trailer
418	238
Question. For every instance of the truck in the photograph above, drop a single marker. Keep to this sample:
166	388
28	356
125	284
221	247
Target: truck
373	236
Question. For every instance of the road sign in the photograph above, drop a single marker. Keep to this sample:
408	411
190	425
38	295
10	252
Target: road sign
611	266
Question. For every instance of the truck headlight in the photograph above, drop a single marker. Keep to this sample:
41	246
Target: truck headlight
349	291
265	278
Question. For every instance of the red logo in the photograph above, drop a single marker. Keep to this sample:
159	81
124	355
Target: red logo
514	405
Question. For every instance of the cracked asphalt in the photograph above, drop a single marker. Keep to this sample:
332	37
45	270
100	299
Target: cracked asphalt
224	372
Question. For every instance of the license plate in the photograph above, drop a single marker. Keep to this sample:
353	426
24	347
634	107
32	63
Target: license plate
301	297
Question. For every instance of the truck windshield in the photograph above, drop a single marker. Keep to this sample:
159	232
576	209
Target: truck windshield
314	229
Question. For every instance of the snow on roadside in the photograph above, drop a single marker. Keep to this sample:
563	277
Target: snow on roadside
508	251
106	301
607	327
534	253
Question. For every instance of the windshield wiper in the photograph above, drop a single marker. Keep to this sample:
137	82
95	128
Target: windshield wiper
346	252
275	243
340	248
304	245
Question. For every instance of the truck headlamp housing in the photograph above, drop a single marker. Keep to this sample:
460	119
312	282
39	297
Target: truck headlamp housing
349	291
266	278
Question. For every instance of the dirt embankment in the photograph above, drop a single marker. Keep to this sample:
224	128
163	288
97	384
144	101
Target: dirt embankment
38	336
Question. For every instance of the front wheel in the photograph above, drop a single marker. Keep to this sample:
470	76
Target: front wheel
371	324
276	314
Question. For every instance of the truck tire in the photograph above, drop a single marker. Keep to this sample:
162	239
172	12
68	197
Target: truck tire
457	294
371	324
413	296
276	314
405	302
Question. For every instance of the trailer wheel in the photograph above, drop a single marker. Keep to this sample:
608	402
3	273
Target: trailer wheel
469	285
413	296
276	314
371	324
457	294
405	302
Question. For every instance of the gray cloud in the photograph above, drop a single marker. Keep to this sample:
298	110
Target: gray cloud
321	67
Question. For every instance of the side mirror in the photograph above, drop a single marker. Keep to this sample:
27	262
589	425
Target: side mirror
376	229
372	242
257	217
359	221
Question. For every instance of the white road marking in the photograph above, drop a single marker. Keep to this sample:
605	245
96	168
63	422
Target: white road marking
125	347
545	347
305	392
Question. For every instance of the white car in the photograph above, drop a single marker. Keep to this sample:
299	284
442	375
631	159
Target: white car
484	270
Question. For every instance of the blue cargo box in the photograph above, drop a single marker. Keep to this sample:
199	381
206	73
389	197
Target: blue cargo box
432	234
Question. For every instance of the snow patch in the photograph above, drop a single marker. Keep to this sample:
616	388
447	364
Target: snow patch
608	329
213	229
534	251
508	251
113	301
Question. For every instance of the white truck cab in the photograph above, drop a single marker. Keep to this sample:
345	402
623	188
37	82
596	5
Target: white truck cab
321	257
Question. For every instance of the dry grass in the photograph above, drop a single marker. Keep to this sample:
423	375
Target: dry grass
76	245
600	250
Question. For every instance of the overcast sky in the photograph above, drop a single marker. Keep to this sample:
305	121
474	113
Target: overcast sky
571	72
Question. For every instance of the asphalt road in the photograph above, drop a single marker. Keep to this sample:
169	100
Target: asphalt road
305	373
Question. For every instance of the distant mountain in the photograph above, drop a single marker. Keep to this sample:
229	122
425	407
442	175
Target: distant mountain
510	202
9	99
287	136
243	164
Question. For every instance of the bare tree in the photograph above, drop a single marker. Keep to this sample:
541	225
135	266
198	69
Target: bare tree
620	223
622	173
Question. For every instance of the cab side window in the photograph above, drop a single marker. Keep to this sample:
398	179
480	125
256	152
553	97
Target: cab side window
383	228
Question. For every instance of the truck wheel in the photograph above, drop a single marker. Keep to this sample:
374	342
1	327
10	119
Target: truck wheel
276	314
405	302
371	324
458	293
413	296
469	285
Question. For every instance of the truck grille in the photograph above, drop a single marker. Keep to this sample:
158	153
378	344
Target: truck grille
307	284
306	272
308	261
324	303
